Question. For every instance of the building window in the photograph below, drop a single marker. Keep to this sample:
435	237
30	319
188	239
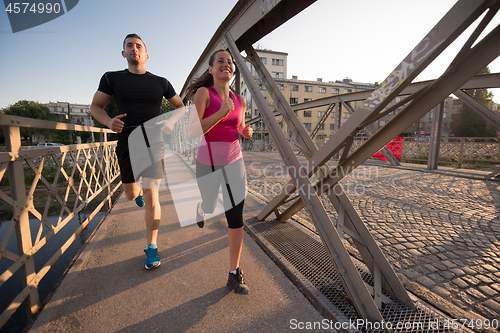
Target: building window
256	112
307	126
294	87
307	114
262	87
277	75
281	86
321	127
294	100
264	60
278	62
308	88
335	91
332	127
322	90
347	91
307	99
320	114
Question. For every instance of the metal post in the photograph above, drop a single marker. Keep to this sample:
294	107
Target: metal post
437	129
106	171
461	152
21	207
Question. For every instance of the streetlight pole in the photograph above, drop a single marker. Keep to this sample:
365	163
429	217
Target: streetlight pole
69	120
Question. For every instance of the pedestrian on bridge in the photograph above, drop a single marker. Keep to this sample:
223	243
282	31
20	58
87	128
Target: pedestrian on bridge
138	95
221	116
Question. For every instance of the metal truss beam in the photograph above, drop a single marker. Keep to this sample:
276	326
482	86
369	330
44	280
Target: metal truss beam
366	130
476	82
351	223
467	65
354	285
248	21
251	20
322	120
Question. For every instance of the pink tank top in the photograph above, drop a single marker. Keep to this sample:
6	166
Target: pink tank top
220	145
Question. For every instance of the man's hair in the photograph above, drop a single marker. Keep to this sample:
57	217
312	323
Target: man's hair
132	36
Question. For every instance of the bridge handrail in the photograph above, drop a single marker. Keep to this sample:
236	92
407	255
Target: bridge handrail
8	120
83	173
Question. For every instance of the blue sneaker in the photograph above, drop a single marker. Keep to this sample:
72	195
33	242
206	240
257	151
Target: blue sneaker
139	201
152	258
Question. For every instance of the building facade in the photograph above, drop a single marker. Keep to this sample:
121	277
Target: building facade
79	113
298	91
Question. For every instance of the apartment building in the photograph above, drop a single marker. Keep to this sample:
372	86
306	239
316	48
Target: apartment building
296	91
80	113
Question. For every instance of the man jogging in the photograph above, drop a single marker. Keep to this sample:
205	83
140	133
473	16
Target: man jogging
138	95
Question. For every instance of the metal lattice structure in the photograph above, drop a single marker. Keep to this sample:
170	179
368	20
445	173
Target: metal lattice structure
78	175
251	20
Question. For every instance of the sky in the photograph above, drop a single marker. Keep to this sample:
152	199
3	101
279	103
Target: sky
64	59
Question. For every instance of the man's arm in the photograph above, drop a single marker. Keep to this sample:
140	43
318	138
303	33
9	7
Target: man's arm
99	102
180	110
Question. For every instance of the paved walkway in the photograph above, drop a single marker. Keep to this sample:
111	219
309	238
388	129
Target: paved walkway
439	230
108	289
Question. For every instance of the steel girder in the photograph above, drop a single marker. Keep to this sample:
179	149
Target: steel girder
359	292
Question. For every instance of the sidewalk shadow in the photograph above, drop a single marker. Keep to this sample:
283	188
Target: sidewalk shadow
93	285
176	320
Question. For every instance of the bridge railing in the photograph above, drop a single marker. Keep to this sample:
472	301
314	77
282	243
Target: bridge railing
458	152
37	183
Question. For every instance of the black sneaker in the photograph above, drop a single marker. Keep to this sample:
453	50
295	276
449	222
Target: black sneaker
200	218
235	282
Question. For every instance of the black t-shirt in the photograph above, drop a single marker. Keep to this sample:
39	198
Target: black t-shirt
137	95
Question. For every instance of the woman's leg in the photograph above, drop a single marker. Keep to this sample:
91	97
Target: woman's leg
234	175
235	237
208	184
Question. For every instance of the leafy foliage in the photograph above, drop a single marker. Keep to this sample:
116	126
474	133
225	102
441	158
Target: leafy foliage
30	109
474	125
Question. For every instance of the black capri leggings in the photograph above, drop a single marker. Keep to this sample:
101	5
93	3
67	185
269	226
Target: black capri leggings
233	180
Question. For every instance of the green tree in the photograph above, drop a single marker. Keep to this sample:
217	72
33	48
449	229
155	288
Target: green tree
472	124
112	111
30	109
165	106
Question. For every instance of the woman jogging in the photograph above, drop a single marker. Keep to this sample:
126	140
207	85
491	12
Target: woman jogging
221	116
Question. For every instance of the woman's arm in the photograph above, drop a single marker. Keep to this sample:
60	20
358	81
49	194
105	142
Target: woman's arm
245	131
202	101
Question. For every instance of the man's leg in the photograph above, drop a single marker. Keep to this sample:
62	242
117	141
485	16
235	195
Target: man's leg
132	190
152	215
152	218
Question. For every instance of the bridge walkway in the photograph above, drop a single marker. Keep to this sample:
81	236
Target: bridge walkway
108	290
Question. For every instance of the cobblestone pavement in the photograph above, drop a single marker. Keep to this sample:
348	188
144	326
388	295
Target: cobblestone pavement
439	231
